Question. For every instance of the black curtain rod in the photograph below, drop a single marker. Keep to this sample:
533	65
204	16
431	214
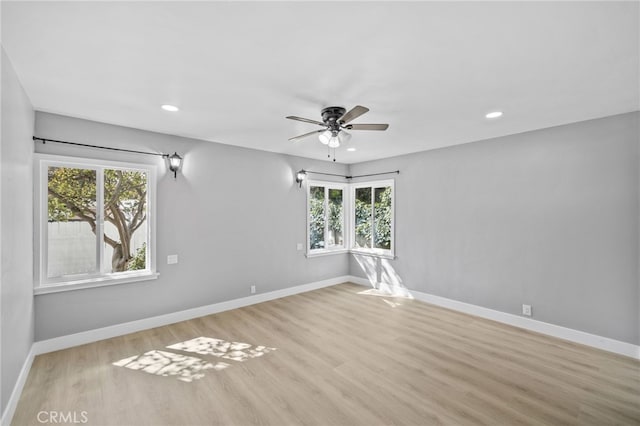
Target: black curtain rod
376	174
326	174
99	147
352	177
43	140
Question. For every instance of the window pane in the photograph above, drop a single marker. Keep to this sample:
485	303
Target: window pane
316	217
363	217
71	221
125	220
382	219
336	218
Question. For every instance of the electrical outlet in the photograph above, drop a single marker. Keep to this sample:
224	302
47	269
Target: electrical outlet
171	259
526	310
253	289
299	246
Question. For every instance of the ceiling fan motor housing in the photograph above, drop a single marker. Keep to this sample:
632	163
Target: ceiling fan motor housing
330	116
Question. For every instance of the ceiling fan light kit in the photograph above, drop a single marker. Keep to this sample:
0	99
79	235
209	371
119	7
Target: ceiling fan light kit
344	137
335	120
325	137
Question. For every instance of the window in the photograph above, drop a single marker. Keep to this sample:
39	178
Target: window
95	223
326	222
372	217
369	226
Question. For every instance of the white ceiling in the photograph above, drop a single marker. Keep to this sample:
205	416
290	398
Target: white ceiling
432	70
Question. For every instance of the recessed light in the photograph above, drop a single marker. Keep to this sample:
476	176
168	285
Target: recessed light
170	108
351	149
494	114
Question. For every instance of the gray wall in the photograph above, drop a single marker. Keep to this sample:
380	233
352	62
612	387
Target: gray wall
16	282
548	218
233	216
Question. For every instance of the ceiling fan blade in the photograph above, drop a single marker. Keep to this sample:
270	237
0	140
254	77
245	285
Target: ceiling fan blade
354	113
315	132
367	126
306	120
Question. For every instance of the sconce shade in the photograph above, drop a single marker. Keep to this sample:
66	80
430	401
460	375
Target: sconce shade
174	163
300	177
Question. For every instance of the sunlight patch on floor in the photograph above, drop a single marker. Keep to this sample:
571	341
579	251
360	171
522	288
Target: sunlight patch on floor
235	351
392	304
161	363
188	368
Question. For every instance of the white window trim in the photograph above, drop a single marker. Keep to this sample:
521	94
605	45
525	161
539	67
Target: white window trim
348	193
106	280
387	254
335	249
42	285
326	252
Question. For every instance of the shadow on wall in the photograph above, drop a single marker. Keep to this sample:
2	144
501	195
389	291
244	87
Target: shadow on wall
383	278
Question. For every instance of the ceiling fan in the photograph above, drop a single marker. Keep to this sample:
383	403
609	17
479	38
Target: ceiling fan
335	120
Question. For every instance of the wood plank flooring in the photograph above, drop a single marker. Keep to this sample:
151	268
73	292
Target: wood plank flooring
333	356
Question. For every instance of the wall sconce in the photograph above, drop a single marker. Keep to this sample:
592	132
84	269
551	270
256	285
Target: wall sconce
174	163
300	177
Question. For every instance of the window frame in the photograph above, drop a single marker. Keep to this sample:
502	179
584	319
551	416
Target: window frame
348	201
344	248
43	284
385	253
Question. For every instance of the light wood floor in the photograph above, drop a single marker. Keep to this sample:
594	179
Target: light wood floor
340	358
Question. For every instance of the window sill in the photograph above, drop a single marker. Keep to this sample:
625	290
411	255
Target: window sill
320	253
93	282
373	253
361	252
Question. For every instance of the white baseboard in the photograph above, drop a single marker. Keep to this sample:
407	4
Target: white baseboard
10	409
576	336
71	340
362	281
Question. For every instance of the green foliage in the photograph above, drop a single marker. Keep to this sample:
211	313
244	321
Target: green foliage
363	224
336	216
124	192
381	220
316	217
72	194
139	260
363	217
